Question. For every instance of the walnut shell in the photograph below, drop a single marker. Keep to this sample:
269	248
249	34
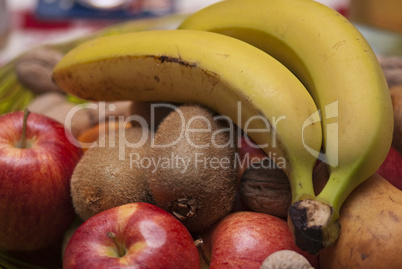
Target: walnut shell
265	188
286	259
34	69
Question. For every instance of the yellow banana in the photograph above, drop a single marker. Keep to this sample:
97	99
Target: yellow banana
338	67
227	75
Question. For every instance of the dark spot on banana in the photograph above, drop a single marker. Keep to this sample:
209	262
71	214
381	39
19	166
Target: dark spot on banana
364	256
393	216
169	59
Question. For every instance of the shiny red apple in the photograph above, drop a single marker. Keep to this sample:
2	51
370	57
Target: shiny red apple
391	168
245	239
35	202
135	235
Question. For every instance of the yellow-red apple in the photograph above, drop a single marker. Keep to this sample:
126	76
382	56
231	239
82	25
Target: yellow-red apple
245	239
135	235
35	172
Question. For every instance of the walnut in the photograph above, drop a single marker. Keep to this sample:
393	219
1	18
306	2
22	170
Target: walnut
34	69
286	259
265	188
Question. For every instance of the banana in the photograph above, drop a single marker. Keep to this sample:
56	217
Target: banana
224	74
338	67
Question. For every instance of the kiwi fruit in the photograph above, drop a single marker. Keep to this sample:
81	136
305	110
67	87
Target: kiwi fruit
193	173
106	176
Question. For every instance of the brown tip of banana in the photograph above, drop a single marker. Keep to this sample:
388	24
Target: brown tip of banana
311	225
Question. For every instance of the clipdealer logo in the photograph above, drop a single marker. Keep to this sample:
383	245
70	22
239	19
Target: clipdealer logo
148	128
331	144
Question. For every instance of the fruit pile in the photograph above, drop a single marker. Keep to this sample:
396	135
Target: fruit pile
238	140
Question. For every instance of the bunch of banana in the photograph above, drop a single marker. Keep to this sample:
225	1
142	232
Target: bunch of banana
227	75
15	95
338	67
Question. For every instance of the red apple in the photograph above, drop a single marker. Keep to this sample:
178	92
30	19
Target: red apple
35	202
391	168
245	239
135	235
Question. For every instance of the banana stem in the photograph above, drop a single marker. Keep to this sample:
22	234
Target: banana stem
312	225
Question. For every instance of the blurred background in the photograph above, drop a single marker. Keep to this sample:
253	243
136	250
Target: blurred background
25	24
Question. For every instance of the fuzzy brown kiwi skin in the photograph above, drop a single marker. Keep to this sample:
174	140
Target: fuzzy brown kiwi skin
200	195
101	180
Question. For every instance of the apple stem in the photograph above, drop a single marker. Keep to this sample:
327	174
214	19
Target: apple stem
199	243
23	142
120	249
